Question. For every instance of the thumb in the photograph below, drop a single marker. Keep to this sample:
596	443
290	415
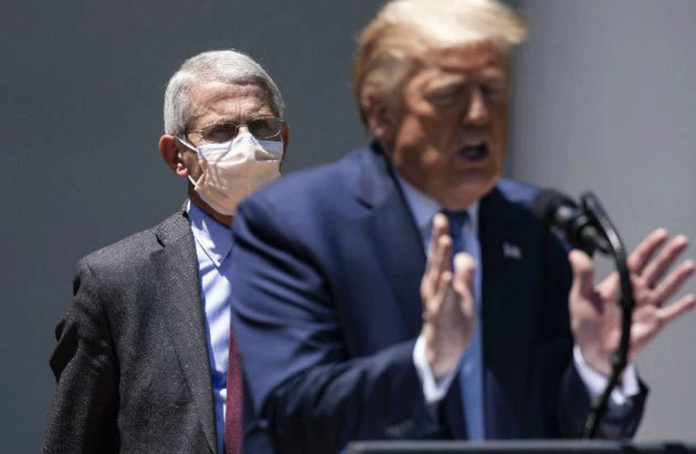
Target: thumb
583	272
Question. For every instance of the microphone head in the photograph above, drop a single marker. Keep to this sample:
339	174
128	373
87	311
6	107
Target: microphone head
546	204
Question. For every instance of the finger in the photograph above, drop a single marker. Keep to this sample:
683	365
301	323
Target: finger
583	272
444	285
656	268
464	271
439	229
427	282
444	242
673	282
672	312
433	303
438	263
444	259
440	226
434	262
463	282
641	254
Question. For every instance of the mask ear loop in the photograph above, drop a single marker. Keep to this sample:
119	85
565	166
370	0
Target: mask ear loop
198	153
189	146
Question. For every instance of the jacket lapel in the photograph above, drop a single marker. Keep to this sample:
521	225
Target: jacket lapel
394	234
178	297
510	264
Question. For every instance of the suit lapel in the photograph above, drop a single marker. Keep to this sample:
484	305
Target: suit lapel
178	297
510	264
394	234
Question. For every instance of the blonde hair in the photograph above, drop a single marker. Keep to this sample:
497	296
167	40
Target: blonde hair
405	29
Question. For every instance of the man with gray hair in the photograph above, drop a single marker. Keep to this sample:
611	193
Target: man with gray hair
142	357
406	291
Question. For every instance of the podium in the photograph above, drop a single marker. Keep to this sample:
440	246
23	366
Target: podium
519	447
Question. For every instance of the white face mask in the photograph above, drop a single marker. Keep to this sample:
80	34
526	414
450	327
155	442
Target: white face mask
233	170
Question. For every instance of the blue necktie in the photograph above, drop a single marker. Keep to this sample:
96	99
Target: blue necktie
470	368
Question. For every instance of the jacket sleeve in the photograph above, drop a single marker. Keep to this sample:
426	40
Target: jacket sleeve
576	403
572	403
82	416
316	395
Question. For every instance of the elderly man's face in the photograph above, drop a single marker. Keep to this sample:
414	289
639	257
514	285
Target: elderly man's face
450	138
219	103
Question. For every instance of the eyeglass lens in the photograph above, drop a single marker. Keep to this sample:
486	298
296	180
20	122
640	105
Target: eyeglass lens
261	128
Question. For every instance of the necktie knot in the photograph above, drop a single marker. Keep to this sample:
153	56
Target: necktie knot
457	220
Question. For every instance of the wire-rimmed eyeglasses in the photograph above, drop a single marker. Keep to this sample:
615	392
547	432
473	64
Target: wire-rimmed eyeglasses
260	127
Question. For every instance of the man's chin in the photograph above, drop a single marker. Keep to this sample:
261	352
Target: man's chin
463	195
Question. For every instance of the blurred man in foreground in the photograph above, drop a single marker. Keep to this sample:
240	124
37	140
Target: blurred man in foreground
354	319
142	355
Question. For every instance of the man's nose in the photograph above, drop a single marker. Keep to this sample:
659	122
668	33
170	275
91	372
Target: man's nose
477	110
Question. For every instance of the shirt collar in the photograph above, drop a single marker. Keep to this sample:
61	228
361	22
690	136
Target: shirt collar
424	207
214	238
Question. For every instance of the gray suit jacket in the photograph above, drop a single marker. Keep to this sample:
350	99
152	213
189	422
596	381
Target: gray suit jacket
131	364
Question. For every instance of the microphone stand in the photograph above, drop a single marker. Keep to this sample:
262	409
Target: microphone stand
619	358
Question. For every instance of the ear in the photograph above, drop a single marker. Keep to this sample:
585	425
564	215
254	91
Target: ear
169	147
379	116
285	133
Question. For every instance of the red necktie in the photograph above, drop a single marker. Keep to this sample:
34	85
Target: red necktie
234	417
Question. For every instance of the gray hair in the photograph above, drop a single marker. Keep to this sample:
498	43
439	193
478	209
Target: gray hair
228	66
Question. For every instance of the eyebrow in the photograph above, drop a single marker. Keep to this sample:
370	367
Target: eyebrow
451	78
227	119
494	73
445	81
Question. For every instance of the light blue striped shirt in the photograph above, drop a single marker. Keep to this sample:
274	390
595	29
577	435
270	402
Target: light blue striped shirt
213	246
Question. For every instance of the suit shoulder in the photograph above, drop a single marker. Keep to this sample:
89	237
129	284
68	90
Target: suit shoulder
319	186
337	173
132	252
519	196
125	251
517	192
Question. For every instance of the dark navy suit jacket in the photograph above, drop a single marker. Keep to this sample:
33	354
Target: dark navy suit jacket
326	272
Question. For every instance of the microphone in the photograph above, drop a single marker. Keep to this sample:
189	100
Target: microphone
588	227
558	210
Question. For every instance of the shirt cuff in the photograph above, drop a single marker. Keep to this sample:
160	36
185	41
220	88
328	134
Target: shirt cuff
433	390
595	381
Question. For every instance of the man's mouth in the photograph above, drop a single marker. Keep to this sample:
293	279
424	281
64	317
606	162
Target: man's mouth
474	152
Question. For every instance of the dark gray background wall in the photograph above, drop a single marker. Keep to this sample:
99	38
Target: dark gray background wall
81	90
80	116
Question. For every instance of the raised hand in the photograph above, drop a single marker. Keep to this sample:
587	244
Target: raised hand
594	312
448	304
